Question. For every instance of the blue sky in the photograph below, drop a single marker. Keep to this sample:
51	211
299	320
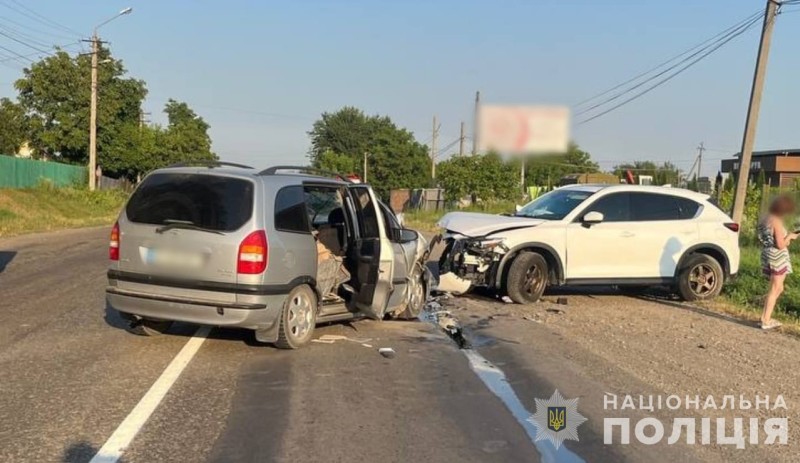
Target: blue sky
260	72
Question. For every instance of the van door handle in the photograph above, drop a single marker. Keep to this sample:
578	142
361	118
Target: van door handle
627	234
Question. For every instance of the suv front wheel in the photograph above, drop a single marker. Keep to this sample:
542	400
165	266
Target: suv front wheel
298	318
700	278
527	278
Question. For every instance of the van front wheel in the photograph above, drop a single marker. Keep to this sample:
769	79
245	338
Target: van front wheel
298	318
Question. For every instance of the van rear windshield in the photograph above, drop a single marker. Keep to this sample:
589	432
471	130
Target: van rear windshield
208	201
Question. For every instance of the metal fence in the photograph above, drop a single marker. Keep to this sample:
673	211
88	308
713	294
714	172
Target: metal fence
26	173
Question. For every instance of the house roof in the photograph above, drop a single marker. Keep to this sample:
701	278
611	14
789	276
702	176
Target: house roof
783	152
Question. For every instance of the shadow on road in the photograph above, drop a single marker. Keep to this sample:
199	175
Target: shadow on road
115	320
671	300
81	452
5	258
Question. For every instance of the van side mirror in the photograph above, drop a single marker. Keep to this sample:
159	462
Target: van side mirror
592	218
406	236
517	208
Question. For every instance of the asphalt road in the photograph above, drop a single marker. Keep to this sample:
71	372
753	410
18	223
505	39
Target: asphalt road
70	375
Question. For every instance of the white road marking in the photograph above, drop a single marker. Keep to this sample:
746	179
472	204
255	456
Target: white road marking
122	437
496	381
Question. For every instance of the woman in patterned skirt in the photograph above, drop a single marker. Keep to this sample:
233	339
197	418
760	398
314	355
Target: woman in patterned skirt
775	259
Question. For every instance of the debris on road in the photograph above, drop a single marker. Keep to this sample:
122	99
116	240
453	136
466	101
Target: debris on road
434	312
556	310
562	301
387	352
332	338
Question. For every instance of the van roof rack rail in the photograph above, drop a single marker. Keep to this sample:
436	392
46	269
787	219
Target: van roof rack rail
311	170
209	164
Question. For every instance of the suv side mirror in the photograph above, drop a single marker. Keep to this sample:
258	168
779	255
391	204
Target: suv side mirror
406	236
592	218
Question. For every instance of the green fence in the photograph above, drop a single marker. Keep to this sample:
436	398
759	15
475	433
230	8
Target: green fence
26	173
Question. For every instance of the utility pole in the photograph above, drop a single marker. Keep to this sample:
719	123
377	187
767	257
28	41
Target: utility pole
753	108
461	141
93	116
697	175
142	119
365	166
475	123
434	137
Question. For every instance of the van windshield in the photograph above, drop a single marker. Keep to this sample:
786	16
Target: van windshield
211	202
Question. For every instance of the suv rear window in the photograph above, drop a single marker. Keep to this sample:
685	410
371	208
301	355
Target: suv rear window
654	206
208	201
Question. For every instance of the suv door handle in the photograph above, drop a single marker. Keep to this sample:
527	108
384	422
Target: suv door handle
627	234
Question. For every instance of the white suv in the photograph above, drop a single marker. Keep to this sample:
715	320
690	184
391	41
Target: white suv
626	235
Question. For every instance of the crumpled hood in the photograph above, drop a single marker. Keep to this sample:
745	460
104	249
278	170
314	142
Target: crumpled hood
479	224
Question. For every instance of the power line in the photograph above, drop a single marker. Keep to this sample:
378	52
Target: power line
664	63
34	16
712	46
675	74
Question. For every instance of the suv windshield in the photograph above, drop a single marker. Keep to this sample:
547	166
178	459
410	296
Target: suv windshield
210	202
554	205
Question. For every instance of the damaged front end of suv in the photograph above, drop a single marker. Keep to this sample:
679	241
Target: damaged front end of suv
476	251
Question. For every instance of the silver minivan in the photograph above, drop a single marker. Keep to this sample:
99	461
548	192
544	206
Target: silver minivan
275	251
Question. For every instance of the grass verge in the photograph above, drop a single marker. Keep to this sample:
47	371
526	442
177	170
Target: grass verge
47	208
426	220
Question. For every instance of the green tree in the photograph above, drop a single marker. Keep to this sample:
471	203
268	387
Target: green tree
13	126
140	149
55	94
396	159
485	177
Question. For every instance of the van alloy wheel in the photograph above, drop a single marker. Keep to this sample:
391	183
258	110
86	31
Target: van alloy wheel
298	318
300	315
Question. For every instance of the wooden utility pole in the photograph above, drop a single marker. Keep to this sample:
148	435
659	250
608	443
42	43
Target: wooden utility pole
475	123
461	141
366	155
93	116
697	176
434	137
752	110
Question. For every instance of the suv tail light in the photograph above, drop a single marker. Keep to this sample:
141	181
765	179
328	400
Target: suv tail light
732	226
113	243
253	253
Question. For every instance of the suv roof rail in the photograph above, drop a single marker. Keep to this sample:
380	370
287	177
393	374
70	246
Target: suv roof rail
312	170
209	164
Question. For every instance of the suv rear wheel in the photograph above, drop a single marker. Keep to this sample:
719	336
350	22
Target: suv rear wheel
527	278
700	278
298	319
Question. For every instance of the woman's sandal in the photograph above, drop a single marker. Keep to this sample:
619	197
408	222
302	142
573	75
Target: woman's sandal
771	325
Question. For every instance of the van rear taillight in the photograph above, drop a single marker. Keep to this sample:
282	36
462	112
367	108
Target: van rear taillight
732	226
113	243
253	253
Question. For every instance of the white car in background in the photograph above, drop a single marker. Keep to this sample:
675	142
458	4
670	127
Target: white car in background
625	235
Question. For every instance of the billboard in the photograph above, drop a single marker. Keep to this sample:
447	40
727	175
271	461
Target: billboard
522	130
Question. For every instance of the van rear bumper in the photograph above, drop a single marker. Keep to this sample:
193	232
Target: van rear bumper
262	315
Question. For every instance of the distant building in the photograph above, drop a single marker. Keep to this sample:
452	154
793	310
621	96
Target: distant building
595	177
781	167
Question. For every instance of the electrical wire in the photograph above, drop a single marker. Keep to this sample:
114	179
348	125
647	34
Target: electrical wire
34	16
701	52
674	74
664	63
